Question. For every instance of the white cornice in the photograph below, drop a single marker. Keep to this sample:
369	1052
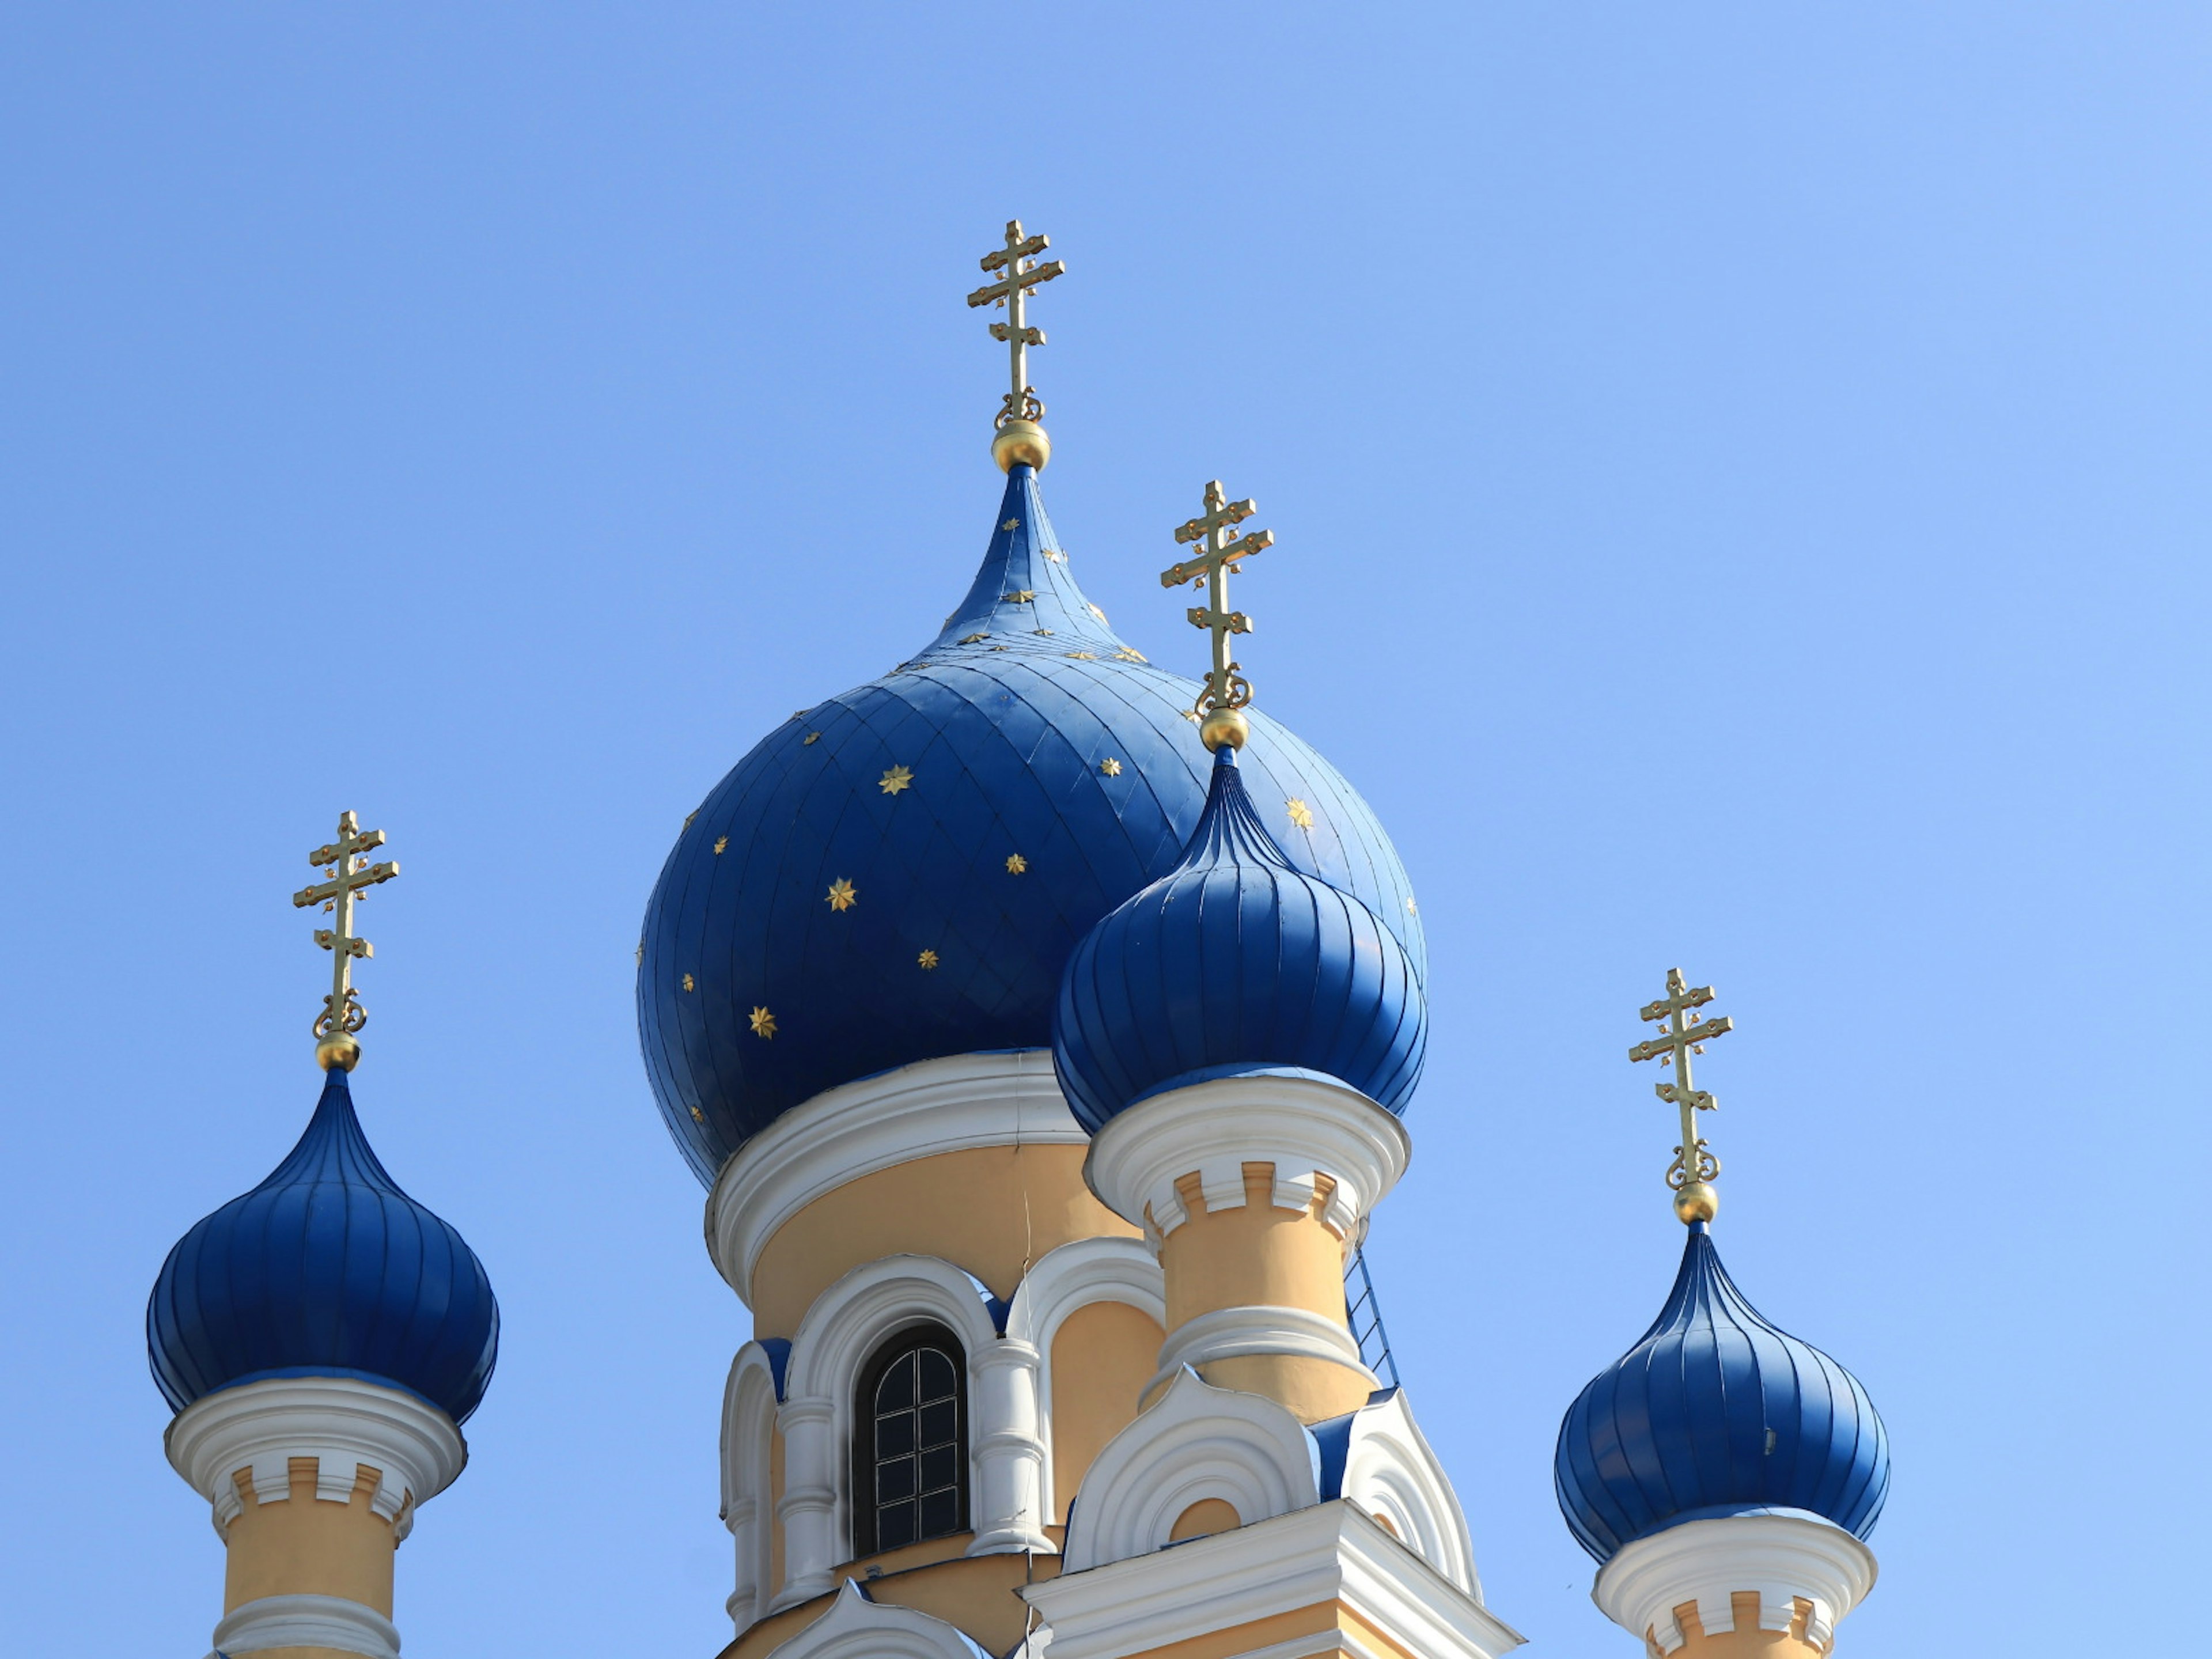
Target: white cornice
1327	1552
1232	1333
1782	1558
932	1106
1306	1127
341	1421
306	1621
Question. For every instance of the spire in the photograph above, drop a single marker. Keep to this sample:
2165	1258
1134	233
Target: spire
1019	438
1226	689
348	875
1684	1033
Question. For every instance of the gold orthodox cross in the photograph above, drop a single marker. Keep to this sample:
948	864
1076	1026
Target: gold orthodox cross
347	873
1012	291
1685	1032
1218	554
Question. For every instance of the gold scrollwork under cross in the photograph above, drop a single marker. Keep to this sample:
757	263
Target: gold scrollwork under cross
348	875
1218	554
1012	291
1686	1033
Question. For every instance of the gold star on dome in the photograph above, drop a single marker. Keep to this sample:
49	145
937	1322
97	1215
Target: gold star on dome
1130	654
1412	909
1020	596
842	896
1046	632
1096	612
1301	814
763	1024
1001	648
1082	656
689	983
896	778
1053	556
698	1116
1016	864
811	737
1012	523
928	959
721	845
974	639
1111	767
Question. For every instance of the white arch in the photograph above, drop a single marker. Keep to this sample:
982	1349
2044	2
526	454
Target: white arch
848	1323
854	1627
1390	1473
1078	1274
749	1406
1194	1442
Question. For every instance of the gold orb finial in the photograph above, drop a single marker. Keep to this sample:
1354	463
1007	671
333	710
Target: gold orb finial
1223	725
1020	442
1698	1201
337	1049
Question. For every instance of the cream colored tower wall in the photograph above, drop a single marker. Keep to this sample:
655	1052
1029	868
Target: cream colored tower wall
1102	1359
302	1546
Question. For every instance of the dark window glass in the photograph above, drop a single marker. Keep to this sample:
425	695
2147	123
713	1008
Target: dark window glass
911	1454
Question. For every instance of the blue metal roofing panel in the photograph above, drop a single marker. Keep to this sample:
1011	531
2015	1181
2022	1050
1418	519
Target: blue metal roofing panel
326	1268
1235	959
1717	1411
1006	721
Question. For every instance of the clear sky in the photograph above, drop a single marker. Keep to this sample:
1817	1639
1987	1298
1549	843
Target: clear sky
1740	476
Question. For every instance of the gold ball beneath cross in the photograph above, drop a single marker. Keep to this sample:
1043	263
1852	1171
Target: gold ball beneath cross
1698	1201
1020	442
339	1050
1223	726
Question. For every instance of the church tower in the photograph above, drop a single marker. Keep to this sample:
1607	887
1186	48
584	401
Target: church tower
1724	1474
321	1339
1040	1021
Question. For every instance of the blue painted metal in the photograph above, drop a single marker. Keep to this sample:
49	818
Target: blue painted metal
1235	961
1007	736
1364	1314
326	1268
1717	1411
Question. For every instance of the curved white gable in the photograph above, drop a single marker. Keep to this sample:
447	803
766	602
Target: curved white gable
1390	1474
855	1628
748	1510
1194	1442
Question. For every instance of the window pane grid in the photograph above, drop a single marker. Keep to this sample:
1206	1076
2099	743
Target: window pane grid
916	1449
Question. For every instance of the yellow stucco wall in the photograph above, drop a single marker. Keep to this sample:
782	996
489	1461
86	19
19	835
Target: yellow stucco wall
1257	1255
1203	1519
1101	1357
304	1545
992	1210
1746	1640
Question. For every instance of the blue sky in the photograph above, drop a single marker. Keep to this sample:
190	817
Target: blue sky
1739	477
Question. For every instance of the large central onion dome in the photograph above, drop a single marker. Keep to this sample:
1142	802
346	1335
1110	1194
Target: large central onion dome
902	872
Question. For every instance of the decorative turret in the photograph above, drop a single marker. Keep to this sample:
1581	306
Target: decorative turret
1239	1037
321	1338
1724	1474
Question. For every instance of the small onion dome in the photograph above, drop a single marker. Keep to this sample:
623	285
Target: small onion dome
1716	1413
901	871
1235	961
325	1269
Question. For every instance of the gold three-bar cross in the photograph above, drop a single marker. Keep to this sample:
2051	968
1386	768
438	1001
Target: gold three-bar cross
1686	1033
347	874
1012	291
1225	687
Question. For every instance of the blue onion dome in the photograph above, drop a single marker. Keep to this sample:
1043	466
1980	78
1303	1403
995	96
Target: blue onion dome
1717	1413
1236	961
325	1269
901	870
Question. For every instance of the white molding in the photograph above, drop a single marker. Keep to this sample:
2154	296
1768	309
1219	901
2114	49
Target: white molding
932	1106
343	1423
1782	1558
1330	1551
1306	1126
1194	1442
749	1406
844	1328
306	1621
853	1626
1234	1332
1081	1274
1389	1472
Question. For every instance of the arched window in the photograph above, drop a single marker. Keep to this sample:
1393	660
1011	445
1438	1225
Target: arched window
910	1447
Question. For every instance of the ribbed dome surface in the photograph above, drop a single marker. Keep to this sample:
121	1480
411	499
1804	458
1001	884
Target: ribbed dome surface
325	1269
1716	1411
1026	731
1235	959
